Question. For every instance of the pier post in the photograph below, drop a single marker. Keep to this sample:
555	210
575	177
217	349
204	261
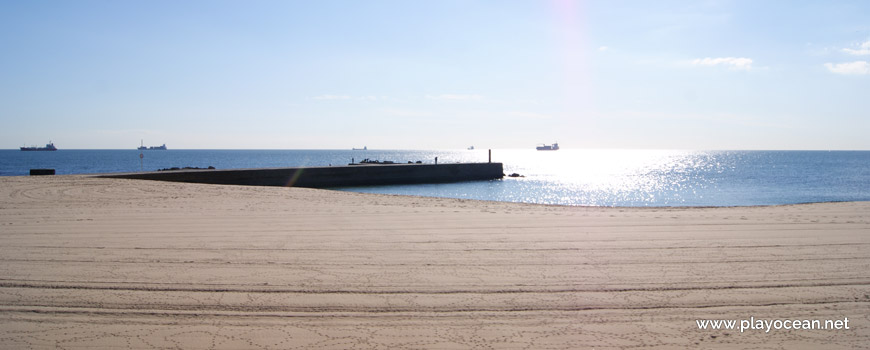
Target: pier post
490	156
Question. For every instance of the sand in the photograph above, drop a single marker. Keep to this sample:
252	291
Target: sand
109	263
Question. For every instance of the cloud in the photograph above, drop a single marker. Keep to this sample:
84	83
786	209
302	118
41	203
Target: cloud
455	97
863	49
603	48
850	68
734	63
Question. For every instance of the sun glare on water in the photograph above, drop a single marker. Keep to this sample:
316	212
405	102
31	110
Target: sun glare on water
594	177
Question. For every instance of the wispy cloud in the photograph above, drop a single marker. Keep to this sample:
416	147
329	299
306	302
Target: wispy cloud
862	49
457	97
734	63
603	48
849	68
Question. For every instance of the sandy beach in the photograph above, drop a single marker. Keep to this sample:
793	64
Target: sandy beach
107	263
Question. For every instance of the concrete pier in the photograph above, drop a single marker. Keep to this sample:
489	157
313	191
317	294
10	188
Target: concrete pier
333	176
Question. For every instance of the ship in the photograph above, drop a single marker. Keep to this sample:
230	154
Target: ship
553	147
365	148
152	148
48	147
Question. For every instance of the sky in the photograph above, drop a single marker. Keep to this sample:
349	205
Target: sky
440	74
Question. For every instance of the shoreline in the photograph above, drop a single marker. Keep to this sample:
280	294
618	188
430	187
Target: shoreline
91	262
474	199
599	206
108	175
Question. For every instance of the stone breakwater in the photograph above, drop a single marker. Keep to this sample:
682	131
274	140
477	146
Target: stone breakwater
331	176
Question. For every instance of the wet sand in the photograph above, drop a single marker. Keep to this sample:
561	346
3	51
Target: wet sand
109	263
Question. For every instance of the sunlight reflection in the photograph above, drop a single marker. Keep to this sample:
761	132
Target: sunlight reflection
592	177
612	176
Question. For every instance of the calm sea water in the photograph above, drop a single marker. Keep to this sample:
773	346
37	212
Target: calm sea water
571	177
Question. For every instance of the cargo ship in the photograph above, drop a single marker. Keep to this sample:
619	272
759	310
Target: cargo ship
553	147
48	147
152	148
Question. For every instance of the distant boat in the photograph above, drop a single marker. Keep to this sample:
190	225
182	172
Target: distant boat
553	147
365	148
152	148
48	147
471	148
370	161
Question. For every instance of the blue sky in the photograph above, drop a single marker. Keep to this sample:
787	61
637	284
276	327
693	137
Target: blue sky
436	74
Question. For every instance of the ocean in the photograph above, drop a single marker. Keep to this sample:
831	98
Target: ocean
622	178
